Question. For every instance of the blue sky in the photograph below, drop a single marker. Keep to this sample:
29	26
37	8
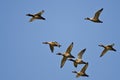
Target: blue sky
24	57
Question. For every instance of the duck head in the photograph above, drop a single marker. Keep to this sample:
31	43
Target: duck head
45	42
101	45
71	60
29	15
59	54
74	71
87	18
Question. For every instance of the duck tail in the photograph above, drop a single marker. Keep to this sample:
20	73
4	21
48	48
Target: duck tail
43	18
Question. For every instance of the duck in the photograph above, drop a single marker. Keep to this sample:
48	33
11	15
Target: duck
107	48
67	54
96	17
79	58
82	71
36	16
52	44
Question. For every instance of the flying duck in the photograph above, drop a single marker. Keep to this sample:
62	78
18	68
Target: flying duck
107	48
36	16
79	59
52	45
96	17
82	71
66	54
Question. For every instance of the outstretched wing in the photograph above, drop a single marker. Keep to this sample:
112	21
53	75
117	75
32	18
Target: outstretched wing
63	62
84	68
51	48
97	14
40	13
81	53
69	48
31	19
103	52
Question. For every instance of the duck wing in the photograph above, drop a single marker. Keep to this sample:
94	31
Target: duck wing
31	19
81	53
84	68
97	14
63	62
103	52
69	48
40	13
51	48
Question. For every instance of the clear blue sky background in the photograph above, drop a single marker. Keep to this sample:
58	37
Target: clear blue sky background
24	57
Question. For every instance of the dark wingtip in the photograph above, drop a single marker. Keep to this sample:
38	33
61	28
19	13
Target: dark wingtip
87	75
101	9
114	50
100	55
101	21
61	66
43	18
84	49
72	43
51	51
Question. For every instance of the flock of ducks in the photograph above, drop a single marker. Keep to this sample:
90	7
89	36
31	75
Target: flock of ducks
67	54
39	16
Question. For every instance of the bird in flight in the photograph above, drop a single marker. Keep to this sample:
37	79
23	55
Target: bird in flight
67	54
36	16
79	58
96	17
82	71
107	48
52	45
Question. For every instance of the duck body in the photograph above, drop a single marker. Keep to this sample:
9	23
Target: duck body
81	74
94	20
